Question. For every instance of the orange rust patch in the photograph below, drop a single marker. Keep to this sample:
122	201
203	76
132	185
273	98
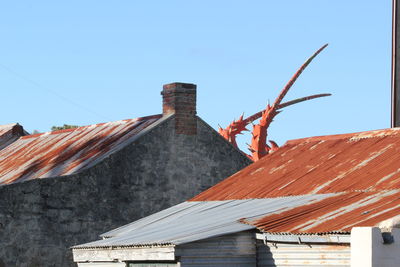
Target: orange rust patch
364	162
65	152
338	213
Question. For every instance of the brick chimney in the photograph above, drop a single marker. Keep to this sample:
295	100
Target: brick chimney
180	99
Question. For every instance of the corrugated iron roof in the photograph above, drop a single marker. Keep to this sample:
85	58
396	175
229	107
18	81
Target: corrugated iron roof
66	152
335	214
318	185
4	129
191	221
326	214
9	133
367	161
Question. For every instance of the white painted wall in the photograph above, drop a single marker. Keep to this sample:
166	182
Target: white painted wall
369	250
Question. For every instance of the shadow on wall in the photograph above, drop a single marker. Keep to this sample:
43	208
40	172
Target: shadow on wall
264	255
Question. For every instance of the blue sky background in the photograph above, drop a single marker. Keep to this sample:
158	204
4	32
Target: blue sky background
84	62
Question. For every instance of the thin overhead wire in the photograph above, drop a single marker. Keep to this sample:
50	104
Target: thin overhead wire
43	88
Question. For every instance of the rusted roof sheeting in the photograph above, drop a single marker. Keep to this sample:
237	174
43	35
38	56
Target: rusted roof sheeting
191	221
67	151
367	161
4	129
327	214
10	133
335	214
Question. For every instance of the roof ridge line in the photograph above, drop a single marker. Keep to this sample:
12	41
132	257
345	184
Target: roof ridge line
80	128
300	195
351	136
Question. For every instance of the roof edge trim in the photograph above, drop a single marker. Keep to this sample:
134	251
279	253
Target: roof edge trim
352	136
80	128
112	247
304	239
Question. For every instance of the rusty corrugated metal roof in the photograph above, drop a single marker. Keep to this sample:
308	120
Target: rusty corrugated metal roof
312	214
66	152
316	186
334	214
197	220
10	133
4	129
361	169
11	129
367	161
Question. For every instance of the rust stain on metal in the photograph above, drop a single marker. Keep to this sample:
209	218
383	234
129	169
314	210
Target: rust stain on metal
66	152
10	129
360	170
338	213
10	133
326	164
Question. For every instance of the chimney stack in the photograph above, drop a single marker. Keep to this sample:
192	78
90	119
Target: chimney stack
180	99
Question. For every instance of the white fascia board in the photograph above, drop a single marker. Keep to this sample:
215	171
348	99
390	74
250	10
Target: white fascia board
124	254
303	239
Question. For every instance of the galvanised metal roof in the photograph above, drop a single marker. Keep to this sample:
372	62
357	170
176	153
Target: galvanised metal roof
313	214
362	169
315	186
6	129
335	214
367	161
9	133
66	152
197	220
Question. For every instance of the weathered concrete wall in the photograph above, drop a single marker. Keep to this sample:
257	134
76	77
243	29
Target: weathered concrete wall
41	219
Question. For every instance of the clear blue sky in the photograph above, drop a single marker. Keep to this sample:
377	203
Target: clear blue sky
84	62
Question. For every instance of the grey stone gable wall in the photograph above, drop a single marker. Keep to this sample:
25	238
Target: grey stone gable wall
42	218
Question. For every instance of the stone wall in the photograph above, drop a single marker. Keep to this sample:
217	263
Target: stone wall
41	219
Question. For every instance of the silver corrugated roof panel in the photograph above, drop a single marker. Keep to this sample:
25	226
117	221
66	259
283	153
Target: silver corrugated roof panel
191	221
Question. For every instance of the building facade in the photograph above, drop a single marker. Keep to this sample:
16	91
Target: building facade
63	188
320	201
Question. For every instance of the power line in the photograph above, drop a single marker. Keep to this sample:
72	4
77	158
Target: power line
36	84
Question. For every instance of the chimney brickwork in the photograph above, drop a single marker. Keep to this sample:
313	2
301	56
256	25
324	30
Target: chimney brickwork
180	99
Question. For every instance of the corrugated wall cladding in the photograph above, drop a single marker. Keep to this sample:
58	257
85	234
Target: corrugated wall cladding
368	161
284	255
67	151
230	250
